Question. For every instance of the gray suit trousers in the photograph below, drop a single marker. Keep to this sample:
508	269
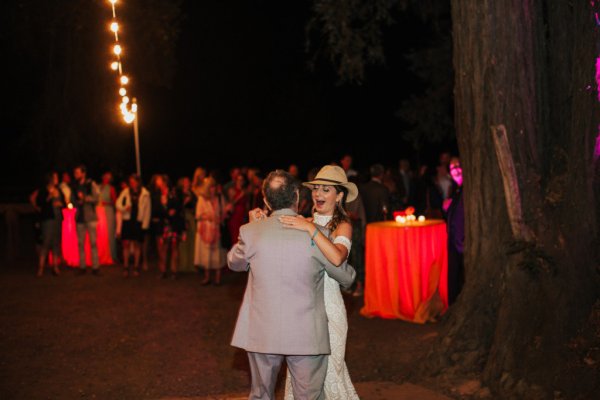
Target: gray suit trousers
308	375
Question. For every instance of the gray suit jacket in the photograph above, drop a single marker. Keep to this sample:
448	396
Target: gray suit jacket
283	311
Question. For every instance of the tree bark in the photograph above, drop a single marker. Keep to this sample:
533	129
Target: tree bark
527	66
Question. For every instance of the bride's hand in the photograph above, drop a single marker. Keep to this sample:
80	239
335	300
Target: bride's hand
296	222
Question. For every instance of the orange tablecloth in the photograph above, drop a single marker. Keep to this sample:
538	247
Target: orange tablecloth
406	270
70	247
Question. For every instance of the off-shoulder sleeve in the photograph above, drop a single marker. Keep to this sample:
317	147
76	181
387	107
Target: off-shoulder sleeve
344	241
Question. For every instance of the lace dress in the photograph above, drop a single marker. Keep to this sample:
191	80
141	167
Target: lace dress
338	385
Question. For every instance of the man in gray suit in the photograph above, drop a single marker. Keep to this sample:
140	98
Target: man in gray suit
283	312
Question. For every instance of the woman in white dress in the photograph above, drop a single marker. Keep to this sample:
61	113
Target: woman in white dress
208	252
330	191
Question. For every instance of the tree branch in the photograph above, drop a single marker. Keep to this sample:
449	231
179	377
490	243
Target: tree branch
511	185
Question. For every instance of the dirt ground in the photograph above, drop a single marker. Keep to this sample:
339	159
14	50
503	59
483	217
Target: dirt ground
108	337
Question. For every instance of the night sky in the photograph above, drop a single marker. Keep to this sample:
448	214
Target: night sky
242	94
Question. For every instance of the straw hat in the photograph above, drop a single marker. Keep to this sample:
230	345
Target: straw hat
333	175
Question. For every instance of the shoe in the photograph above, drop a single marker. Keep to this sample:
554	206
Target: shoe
173	276
55	271
358	292
216	283
163	275
125	274
96	272
135	273
81	271
205	282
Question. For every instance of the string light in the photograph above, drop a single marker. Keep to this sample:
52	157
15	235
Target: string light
127	110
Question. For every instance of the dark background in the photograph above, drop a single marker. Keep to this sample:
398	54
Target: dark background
237	91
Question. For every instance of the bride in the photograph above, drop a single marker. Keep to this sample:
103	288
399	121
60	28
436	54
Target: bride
330	191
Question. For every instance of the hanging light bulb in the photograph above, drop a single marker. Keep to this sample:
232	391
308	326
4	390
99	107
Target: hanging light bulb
134	108
114	27
114	65
122	91
125	100
112	1
117	49
124	80
129	117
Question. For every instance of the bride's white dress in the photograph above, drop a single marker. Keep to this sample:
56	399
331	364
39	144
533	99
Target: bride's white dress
338	385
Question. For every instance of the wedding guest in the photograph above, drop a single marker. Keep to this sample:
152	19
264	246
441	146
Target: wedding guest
199	175
391	180
233	175
169	226
209	253
356	213
135	208
443	181
305	205
293	171
189	200
236	208
407	182
49	202
375	196
65	187
346	164
456	233
85	199
108	196
255	196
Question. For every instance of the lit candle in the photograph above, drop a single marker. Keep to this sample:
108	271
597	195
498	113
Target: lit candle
421	218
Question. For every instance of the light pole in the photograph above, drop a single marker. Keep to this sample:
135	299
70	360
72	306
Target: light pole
136	134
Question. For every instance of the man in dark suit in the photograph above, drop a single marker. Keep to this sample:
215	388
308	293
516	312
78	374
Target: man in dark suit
375	196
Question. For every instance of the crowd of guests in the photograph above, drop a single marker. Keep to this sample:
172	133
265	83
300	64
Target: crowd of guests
191	223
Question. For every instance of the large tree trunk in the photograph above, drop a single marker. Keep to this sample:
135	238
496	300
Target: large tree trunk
526	120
